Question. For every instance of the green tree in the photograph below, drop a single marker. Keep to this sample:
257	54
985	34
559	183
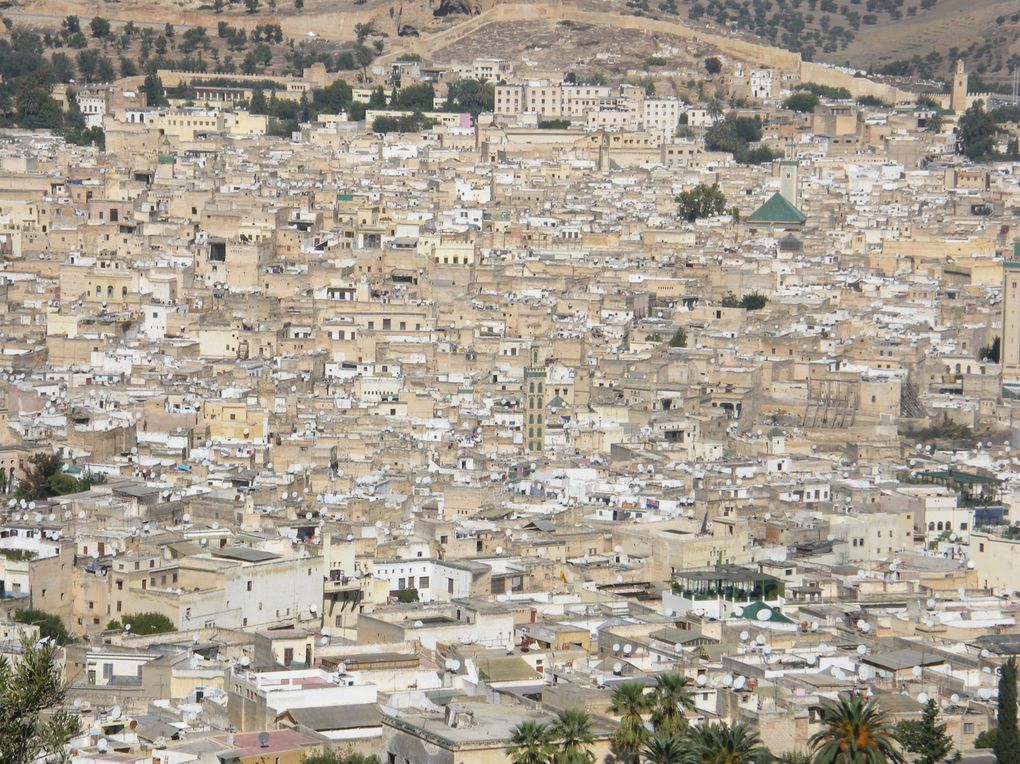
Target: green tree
1007	737
472	96
258	104
713	65
531	743
100	28
753	301
802	101
34	723
334	98
416	97
665	749
727	744
298	5
629	702
50	626
572	731
36	482
87	61
153	89
985	739
927	737
347	756
377	100
702	201
678	340
62	67
364	30
251	5
364	56
976	133
854	731
671	695
144	623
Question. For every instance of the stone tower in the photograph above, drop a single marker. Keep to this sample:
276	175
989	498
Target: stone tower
788	181
958	98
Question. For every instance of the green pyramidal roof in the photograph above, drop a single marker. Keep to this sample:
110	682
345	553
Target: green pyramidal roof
777	210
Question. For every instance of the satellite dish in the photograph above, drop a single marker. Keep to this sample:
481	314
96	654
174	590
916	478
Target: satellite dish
917	671
984	693
922	698
617	667
955	698
127	627
701	681
627	649
263	739
101	746
616	647
744	636
418	624
115	713
812	660
324	641
738	611
728	680
764	614
739	682
862	649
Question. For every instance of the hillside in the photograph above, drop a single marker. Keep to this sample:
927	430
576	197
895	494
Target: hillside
917	38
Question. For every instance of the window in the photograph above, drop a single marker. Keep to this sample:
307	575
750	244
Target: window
249	586
968	728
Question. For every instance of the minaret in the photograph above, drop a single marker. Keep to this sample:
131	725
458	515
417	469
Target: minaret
788	181
1009	346
534	406
958	98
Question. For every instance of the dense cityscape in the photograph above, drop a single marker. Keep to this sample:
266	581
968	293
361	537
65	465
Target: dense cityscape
527	385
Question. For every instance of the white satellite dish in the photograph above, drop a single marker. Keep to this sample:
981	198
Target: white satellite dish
922	698
764	614
744	636
115	713
728	680
617	667
917	671
862	649
739	682
701	681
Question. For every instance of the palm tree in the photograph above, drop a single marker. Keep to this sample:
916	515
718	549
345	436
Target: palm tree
572	731
665	749
725	744
531	743
629	703
671	698
855	732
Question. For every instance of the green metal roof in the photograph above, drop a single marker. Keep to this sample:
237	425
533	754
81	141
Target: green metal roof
777	209
751	610
956	476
